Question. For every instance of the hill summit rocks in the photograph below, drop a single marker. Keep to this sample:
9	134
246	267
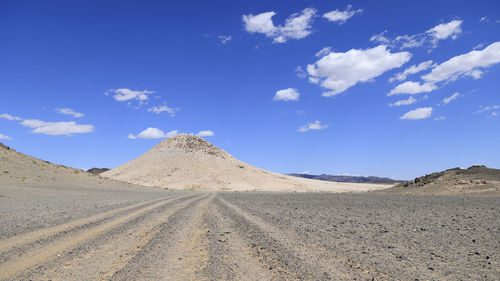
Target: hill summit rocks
190	144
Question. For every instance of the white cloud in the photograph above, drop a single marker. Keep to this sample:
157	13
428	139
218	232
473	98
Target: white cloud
340	71
51	128
410	41
380	38
412	88
314	80
153	133
419	113
57	128
316	125
446	30
9	117
206	133
408	101
297	26
289	94
163	108
429	38
440	118
450	98
300	72
488	108
478	46
341	16
468	64
412	70
69	111
224	38
323	52
484	19
125	94
4	137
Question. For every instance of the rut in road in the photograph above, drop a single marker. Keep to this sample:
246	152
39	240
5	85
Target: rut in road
29	253
191	236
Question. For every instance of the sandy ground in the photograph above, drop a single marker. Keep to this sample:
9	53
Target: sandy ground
117	233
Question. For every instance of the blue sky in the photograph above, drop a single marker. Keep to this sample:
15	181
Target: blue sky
380	88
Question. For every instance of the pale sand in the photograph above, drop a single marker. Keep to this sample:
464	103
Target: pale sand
17	169
190	162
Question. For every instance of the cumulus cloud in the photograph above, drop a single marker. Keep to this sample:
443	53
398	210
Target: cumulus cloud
316	125
337	72
469	64
163	108
289	94
428	38
450	98
57	128
206	133
412	88
4	137
9	117
125	94
297	26
419	113
69	111
51	128
408	101
341	16
153	133
412	70
446	30
314	80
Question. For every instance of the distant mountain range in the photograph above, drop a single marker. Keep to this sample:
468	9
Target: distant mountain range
354	179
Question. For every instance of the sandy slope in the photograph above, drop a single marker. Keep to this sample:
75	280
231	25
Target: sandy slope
190	162
17	169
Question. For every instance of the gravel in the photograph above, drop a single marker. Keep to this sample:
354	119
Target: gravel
134	233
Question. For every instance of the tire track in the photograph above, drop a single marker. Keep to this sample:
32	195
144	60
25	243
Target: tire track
147	234
179	251
230	256
285	252
23	239
101	257
15	265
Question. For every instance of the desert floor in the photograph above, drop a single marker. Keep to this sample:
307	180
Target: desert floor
56	233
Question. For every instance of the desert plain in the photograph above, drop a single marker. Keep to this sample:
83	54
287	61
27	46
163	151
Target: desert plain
60	223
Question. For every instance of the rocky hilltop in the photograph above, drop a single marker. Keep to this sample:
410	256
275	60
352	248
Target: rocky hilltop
97	171
477	180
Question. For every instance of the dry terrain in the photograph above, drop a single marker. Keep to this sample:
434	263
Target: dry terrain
191	162
475	180
60	223
53	233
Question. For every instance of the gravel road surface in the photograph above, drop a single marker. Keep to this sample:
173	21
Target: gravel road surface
149	234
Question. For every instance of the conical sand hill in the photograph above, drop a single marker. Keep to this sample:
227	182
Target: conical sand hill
191	162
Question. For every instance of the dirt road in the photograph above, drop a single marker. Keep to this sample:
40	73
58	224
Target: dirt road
134	235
